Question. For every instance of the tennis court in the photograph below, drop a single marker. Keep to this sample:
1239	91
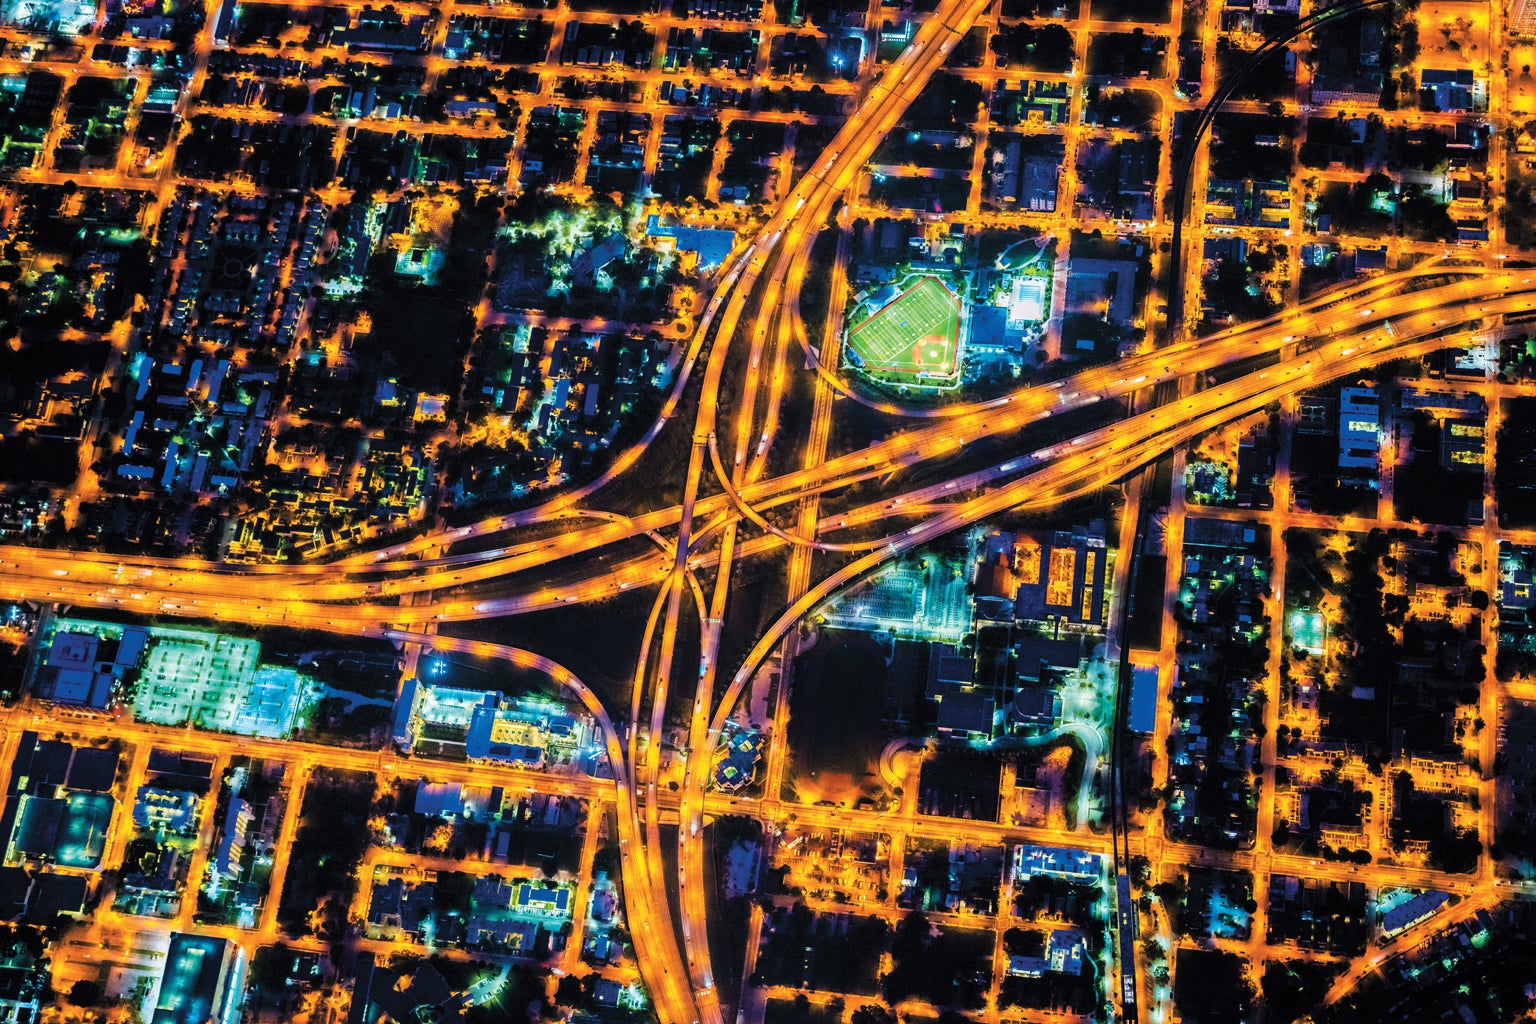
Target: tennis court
915	333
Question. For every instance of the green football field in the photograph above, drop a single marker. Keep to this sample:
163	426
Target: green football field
915	333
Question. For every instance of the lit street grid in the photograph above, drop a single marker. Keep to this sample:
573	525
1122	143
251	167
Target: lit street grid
571	510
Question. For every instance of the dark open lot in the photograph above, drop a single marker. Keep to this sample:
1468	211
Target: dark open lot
1209	987
839	687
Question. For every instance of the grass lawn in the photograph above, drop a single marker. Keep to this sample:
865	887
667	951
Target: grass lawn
915	333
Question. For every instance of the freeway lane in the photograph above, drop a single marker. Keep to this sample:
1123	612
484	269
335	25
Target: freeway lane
757	299
37	582
1087	461
657	958
192	577
810	198
1103	456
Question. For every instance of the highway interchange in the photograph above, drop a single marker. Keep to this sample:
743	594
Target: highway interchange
316	597
751	325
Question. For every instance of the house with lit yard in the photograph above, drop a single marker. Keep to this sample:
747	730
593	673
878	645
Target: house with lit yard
508	916
400	908
1066	952
22	980
736	761
548	902
168	809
